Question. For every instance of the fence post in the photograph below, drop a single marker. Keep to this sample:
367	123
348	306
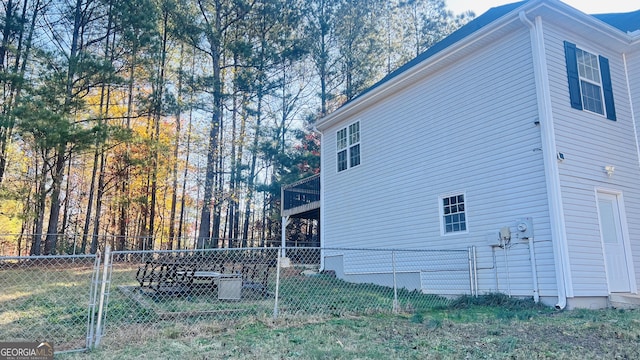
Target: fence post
395	284
93	296
278	266
470	261
475	269
107	258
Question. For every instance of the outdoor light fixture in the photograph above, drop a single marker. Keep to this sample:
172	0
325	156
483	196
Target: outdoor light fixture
609	169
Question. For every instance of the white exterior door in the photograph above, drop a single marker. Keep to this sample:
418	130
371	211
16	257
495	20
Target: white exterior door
613	243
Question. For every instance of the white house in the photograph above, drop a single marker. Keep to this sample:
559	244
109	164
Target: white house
523	124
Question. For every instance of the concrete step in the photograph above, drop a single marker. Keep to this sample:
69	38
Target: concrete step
624	301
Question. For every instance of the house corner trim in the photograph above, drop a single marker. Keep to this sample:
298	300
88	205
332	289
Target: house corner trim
552	175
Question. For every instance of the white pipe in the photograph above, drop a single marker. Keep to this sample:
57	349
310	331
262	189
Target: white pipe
285	222
534	271
470	264
505	250
495	267
475	269
395	283
633	115
552	175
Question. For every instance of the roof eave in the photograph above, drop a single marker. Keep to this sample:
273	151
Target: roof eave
358	103
623	38
533	8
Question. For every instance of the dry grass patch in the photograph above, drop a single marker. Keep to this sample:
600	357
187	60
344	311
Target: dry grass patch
474	332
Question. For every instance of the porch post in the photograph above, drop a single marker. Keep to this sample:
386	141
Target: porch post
285	222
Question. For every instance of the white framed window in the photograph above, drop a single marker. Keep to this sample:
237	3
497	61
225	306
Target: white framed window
590	82
342	149
453	213
348	146
590	85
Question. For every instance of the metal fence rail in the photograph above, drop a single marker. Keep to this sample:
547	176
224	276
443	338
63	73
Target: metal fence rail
49	298
79	302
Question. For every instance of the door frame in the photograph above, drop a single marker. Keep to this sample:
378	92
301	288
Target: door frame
625	236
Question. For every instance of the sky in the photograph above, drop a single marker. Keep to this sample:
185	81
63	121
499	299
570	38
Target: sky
587	6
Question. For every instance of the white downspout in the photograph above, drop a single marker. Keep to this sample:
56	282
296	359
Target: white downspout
322	217
552	174
283	238
534	271
633	115
634	286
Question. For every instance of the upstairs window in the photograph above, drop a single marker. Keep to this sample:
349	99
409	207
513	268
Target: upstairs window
590	84
454	217
589	81
342	149
348	145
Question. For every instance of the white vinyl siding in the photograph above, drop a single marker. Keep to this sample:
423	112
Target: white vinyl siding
468	126
589	145
633	67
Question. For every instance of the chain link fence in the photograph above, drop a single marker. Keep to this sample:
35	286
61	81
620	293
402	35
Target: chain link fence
80	301
160	292
49	298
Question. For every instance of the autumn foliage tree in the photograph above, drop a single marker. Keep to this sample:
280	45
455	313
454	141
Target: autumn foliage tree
148	124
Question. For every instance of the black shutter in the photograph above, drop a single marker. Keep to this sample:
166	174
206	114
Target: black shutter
572	75
607	88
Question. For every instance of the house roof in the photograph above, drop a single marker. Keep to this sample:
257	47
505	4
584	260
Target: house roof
625	22
476	24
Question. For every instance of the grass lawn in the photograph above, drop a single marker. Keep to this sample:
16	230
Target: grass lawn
46	301
320	317
493	327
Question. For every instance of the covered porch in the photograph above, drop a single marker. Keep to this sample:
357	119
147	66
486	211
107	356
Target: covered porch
301	200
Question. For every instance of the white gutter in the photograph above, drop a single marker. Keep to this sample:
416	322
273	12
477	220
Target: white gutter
323	171
552	174
633	115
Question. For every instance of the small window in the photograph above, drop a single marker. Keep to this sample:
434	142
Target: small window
354	155
453	214
342	160
348	146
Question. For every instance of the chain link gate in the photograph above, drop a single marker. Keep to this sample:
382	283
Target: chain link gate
125	298
49	298
150	292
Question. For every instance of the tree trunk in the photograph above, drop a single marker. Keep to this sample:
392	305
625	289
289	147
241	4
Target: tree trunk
6	32
40	195
186	164
98	155
156	134
174	172
124	184
54	211
252	168
16	86
96	224
233	195
204	233
58	174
